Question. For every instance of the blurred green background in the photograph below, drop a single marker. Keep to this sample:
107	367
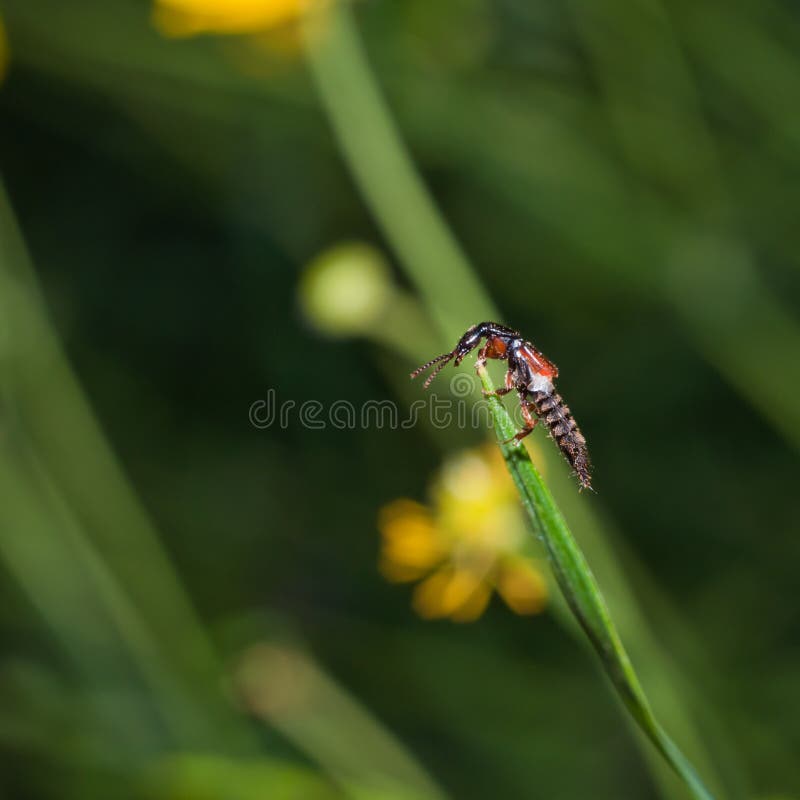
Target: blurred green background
191	606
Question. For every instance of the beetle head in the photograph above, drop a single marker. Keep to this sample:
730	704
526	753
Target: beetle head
468	342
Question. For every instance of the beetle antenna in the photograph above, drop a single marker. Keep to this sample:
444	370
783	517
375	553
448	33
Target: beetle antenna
435	371
441	361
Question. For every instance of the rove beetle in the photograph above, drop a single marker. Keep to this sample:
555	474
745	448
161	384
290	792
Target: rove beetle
532	375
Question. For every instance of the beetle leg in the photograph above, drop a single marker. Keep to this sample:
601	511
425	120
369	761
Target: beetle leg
530	420
505	390
480	361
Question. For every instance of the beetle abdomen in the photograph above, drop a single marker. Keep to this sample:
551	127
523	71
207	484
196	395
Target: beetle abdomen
554	412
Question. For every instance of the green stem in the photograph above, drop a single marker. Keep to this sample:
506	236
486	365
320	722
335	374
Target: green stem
581	591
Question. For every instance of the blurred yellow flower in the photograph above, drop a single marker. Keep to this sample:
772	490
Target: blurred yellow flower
346	289
190	17
467	543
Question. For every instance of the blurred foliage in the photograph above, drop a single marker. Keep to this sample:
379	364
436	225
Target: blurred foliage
623	176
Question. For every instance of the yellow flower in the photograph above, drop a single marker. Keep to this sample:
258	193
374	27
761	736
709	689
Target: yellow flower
467	543
177	18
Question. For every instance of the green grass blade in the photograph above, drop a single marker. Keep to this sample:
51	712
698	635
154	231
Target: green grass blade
282	685
582	593
385	173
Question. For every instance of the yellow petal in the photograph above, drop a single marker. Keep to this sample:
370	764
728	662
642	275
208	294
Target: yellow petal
401	510
474	605
449	592
412	547
412	552
189	17
410	537
428	599
523	588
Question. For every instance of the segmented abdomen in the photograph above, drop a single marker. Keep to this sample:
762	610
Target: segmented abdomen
554	412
